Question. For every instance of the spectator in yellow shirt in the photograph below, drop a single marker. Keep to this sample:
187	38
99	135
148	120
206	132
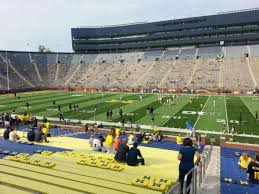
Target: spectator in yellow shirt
244	160
179	140
117	131
109	143
45	132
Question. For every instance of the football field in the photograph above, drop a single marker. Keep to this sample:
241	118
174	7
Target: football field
204	112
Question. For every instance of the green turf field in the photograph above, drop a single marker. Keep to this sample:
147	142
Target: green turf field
210	113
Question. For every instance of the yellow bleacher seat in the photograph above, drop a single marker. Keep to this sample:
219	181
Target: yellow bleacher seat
157	186
47	164
140	182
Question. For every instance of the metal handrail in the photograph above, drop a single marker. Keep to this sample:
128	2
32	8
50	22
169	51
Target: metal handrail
198	173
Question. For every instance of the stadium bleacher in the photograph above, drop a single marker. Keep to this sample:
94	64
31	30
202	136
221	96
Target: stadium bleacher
196	68
231	170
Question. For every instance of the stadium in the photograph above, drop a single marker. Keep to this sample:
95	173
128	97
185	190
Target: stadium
151	85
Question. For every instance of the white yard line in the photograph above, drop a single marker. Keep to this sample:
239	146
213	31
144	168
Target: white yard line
226	112
248	107
201	111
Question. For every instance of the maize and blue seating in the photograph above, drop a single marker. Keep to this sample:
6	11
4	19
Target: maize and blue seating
231	169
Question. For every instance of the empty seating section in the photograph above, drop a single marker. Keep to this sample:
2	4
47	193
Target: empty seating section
23	67
254	50
172	68
188	53
209	52
254	63
42	63
65	58
170	54
179	74
152	55
236	51
206	74
236	74
154	76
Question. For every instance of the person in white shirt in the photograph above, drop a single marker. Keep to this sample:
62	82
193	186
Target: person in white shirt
96	145
13	136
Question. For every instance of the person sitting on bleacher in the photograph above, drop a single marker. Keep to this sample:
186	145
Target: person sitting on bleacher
134	153
109	143
45	131
160	136
31	135
253	170
117	142
139	137
179	140
98	144
91	140
39	136
131	139
13	136
244	160
122	152
6	133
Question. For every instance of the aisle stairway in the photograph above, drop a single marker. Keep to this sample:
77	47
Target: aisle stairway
211	181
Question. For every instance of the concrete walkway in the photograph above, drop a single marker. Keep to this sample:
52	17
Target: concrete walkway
211	181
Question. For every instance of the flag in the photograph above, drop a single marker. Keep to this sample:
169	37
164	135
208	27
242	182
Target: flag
188	125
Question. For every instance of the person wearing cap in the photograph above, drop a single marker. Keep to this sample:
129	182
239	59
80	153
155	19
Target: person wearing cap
133	155
122	152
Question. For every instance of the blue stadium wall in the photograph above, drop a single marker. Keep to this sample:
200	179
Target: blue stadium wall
237	28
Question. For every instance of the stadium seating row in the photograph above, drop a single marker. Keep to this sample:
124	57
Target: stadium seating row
195	68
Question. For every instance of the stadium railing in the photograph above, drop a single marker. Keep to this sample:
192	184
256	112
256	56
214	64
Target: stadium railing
198	172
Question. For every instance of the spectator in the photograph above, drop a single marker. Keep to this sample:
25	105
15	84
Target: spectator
253	170
98	143
131	140
139	137
109	143
186	157
244	160
133	155
117	143
160	136
91	140
179	140
6	133
117	131
13	136
38	135
45	132
154	138
31	135
121	154
123	135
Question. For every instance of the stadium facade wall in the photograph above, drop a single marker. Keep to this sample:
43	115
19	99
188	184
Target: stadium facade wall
237	28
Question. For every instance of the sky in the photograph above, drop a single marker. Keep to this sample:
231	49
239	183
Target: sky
26	24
